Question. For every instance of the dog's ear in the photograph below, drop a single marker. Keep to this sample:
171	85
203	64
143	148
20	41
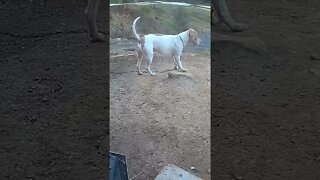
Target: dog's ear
189	30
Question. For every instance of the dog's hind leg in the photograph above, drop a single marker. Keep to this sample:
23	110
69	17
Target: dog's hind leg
149	57
139	60
175	64
178	61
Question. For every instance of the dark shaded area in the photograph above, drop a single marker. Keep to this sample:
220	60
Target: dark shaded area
53	83
206	2
266	108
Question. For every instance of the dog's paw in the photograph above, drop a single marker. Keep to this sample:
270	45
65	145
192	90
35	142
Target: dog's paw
97	38
238	27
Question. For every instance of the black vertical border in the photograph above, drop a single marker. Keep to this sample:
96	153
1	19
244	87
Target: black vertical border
106	5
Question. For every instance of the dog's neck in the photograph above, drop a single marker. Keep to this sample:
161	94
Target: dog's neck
184	37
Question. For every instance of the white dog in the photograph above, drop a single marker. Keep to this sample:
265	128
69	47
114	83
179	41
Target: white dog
167	45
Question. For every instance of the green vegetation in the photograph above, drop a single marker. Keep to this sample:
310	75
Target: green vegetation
160	18
115	1
121	1
145	10
181	19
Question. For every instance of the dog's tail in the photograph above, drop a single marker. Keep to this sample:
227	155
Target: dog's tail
134	28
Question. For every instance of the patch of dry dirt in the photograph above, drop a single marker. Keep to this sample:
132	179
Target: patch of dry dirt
158	120
53	110
266	108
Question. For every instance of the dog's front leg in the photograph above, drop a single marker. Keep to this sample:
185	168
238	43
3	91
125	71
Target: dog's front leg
178	61
92	11
222	15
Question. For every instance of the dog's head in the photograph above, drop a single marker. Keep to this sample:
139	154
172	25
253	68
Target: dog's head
193	37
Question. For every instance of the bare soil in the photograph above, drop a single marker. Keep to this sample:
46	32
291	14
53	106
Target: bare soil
53	83
266	107
159	120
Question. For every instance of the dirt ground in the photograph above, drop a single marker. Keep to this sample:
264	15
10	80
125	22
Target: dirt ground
159	120
266	109
53	83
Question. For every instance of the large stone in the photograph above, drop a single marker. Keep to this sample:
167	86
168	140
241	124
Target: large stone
176	74
171	172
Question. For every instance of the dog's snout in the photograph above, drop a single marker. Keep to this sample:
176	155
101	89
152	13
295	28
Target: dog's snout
199	41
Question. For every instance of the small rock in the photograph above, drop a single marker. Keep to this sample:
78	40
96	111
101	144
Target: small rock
237	177
247	111
32	119
314	72
130	49
293	15
301	95
45	99
314	57
97	147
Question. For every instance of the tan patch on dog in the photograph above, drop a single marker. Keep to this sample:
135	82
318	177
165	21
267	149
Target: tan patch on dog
142	41
156	50
193	36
